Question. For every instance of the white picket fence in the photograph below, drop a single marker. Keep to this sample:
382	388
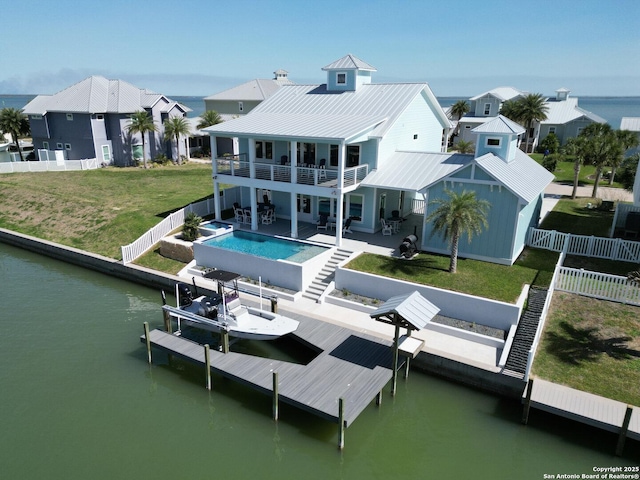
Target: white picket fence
176	219
583	245
598	285
49	166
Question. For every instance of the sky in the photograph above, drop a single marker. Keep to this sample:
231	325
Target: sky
202	47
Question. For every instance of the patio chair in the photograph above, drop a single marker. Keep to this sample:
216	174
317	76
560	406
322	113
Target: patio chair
347	226
386	228
247	215
238	213
323	223
322	172
267	217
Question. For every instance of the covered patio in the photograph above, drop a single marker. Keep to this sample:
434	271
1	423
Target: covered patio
355	241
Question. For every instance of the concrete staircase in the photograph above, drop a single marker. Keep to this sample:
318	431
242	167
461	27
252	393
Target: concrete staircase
516	364
326	275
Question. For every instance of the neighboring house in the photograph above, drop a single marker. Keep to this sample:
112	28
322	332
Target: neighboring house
382	148
564	118
241	99
90	120
632	124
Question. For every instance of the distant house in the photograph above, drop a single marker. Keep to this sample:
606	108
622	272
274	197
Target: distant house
564	118
632	124
241	99
90	118
353	149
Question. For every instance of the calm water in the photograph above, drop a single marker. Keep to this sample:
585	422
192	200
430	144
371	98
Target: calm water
612	109
79	402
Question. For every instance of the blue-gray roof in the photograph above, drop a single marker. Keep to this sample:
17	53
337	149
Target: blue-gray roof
412	307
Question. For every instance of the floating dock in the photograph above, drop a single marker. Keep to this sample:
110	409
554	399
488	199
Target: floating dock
349	372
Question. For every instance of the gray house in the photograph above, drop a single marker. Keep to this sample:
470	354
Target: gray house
90	120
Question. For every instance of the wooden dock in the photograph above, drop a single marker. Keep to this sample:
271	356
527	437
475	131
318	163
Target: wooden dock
351	366
587	408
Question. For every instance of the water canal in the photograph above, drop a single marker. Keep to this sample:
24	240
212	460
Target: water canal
78	401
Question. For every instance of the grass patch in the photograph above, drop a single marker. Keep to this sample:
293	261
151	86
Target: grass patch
498	282
592	345
564	173
573	216
98	210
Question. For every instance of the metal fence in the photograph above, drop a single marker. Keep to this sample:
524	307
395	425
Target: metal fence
49	166
586	246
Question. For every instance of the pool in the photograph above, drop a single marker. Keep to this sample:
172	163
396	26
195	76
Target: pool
265	246
215	228
287	263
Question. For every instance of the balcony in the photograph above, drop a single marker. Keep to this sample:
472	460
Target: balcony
236	166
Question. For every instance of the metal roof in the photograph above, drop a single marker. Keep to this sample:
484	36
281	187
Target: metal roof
412	307
311	111
414	170
258	89
96	94
501	93
499	124
630	123
523	176
564	111
349	62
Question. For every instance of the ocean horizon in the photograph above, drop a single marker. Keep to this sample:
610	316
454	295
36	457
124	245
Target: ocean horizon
611	108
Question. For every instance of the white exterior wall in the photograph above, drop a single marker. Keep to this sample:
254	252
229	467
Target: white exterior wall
419	118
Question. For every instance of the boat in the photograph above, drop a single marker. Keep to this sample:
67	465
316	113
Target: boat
223	312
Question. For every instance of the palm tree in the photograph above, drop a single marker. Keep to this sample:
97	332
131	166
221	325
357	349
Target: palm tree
209	118
577	147
511	110
531	108
142	122
459	109
459	214
175	127
602	148
627	139
14	122
464	147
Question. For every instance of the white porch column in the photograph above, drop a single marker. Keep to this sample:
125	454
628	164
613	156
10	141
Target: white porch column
214	170
339	216
294	196
252	158
254	209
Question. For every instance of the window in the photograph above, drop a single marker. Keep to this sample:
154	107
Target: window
354	204
99	117
106	154
415	137
70	117
241	107
306	153
552	130
487	108
58	146
353	155
341	78
67	146
36	117
333	155
493	142
264	150
467	126
45	145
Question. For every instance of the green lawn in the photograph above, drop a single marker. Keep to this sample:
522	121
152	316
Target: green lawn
98	210
564	173
592	345
573	216
498	282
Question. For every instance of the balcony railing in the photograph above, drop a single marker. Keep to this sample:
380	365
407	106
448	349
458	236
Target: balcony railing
321	177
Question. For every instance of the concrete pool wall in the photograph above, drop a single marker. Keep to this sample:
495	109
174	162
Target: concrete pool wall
282	273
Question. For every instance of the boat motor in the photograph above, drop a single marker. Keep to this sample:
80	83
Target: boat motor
185	296
408	247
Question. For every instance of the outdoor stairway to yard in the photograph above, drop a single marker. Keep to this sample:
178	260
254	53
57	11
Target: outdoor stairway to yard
516	365
326	275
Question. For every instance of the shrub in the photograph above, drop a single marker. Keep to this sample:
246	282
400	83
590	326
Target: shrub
161	159
550	142
550	162
190	229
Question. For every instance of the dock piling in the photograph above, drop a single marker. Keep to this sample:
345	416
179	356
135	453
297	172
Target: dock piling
341	423
623	431
274	304
207	365
527	402
224	333
275	396
147	341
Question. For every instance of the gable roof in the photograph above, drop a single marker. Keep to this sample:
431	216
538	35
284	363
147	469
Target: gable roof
311	111
258	89
501	93
97	94
565	111
349	62
412	307
630	123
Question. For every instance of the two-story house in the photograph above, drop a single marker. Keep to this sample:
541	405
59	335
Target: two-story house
308	148
90	119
